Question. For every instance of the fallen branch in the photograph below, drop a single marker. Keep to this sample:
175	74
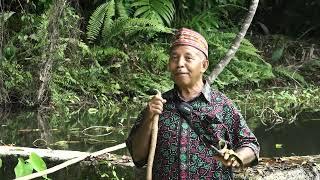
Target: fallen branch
52	155
72	161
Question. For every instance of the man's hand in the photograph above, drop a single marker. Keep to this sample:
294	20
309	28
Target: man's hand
230	159
155	105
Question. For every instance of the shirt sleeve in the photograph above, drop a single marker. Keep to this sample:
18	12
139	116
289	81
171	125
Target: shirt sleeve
240	133
129	140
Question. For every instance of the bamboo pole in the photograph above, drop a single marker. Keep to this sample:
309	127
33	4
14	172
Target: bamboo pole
153	144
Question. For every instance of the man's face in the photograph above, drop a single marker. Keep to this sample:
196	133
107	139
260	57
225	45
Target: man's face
187	65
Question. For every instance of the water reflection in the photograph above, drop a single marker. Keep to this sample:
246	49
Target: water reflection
44	128
39	129
299	138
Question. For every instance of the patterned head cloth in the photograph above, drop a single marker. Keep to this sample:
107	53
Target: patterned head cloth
192	38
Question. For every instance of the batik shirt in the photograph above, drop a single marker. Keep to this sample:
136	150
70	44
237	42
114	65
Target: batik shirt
183	144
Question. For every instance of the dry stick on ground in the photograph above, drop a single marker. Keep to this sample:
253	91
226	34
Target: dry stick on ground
236	43
153	143
71	161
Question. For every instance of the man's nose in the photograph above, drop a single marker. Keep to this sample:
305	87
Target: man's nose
181	61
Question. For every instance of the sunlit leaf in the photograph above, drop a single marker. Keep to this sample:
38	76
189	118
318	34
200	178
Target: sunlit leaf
279	146
92	110
0	162
6	15
37	163
22	168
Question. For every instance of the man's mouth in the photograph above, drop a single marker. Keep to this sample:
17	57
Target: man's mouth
180	73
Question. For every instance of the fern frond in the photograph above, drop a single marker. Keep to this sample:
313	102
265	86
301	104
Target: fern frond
131	26
159	10
110	12
207	20
103	13
121	10
104	53
289	73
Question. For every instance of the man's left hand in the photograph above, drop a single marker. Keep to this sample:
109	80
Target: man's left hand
230	158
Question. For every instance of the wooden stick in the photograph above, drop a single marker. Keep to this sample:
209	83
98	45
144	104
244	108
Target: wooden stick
153	144
72	161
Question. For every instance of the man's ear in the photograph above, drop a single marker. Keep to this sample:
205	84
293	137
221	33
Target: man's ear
205	65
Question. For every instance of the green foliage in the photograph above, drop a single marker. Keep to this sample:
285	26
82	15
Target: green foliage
153	58
9	52
102	17
35	162
112	27
206	21
279	103
161	11
226	10
277	54
290	74
0	162
121	10
310	70
127	55
104	54
128	30
22	168
4	16
247	65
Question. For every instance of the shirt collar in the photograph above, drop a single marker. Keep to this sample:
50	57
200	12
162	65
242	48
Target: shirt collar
206	90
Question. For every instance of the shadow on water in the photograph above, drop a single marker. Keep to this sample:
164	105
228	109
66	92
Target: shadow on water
89	133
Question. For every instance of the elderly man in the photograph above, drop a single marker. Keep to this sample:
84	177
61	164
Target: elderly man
185	144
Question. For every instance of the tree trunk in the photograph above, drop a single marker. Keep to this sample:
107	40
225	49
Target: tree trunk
49	56
236	43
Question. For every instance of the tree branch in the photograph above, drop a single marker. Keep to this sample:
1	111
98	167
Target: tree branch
236	43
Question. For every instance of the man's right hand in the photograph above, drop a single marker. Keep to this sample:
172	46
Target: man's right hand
155	105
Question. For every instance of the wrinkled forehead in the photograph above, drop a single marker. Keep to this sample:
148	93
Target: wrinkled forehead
188	37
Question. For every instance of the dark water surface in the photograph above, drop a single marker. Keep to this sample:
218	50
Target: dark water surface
87	133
